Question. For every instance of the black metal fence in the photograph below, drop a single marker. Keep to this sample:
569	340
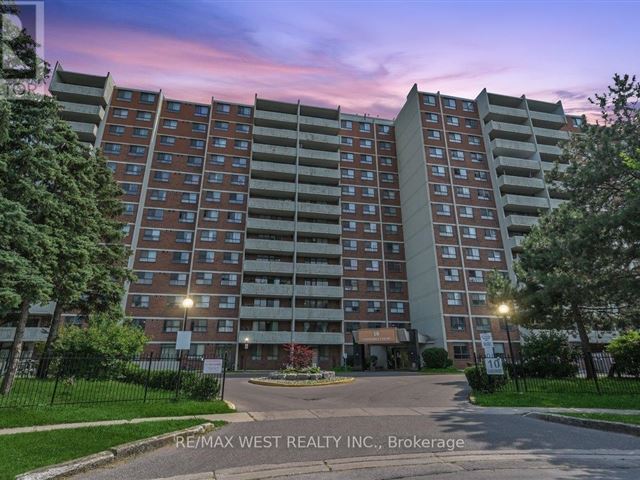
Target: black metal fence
90	380
595	373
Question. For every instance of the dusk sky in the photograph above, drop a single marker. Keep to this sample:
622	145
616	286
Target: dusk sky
363	56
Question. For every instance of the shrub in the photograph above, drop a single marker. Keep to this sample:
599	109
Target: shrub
547	354
479	381
626	353
193	385
436	358
298	356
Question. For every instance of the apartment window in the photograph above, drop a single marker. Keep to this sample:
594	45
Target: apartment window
239	162
463	192
227	303
348	173
448	252
390	211
365	127
174	106
184	237
495	256
130	188
472	253
445	230
454	298
480	176
346	141
391	229
211	215
458	323
483	324
140	301
434	134
396	287
241	145
374	307
116	130
453	121
218	125
167	140
125	95
236	198
350	285
388	194
201	110
484	194
144	116
348	190
155	214
386	161
231	258
232	237
460	351
429	100
349	226
189	198
457	155
439	189
346	157
120	113
455	138
478	299
346	124
204	278
206	256
387	178
170	326
365	143
476	276
470	123
220	142
432	117
449	103
368	209
144	278
147	97
469	232
385	145
178	279
370	228
490	234
351	306
234	217
473	140
373	285
202	301
366	175
366	159
151	235
225	326
368	192
384	129
128	208
370	246
171	124
223	108
436	152
444	210
131	169
242	128
191	179
137	150
198	144
477	157
229	279
438	171
186	217
350	264
465	212
397	307
180	257
208	236
486	214
164	158
452	275
199	127
460	173
148	256
468	106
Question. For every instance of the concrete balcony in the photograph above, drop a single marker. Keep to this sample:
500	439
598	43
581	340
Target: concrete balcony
516	165
319	249
305	338
318	291
318	270
86	131
270	268
512	148
317	174
67	92
258	245
524	203
521	185
275	136
327	314
272	188
263	225
31	334
80	112
266	206
319	210
275	119
548	166
307	191
267	290
280	171
505	114
319	158
320	125
515	243
273	152
544	119
508	130
520	223
265	313
550	134
319	141
325	230
549	152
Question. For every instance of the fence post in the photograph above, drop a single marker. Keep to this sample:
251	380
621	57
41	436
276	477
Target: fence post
55	386
224	376
178	376
146	381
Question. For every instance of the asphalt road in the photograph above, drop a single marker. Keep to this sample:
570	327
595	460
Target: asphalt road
444	419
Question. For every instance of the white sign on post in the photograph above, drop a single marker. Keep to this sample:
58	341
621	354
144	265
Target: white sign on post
183	340
212	365
487	343
494	366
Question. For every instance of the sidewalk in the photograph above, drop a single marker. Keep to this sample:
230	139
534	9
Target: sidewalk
240	417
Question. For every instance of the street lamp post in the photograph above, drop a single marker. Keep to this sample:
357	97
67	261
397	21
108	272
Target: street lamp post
504	310
187	303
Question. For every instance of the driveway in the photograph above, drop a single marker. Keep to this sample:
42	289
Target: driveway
373	390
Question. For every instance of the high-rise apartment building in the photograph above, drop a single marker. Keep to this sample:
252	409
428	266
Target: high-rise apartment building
290	222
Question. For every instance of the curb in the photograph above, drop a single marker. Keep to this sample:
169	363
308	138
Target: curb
113	454
266	383
231	405
603	425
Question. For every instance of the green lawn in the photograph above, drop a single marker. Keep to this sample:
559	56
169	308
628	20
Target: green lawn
609	417
20	417
577	400
28	451
441	371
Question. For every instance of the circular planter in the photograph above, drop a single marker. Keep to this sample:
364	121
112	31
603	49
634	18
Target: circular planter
307	382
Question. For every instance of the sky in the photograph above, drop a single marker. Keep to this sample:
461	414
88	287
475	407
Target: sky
363	56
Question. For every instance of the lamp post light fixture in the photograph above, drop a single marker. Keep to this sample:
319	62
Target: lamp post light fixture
187	303
504	310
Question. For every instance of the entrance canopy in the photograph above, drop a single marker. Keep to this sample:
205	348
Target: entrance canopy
381	336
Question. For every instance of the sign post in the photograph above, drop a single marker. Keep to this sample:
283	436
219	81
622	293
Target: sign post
494	366
487	343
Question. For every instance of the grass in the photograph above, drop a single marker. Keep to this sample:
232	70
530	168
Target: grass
609	417
441	371
27	416
28	451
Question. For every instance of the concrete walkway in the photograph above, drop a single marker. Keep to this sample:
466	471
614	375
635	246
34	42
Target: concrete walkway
241	417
